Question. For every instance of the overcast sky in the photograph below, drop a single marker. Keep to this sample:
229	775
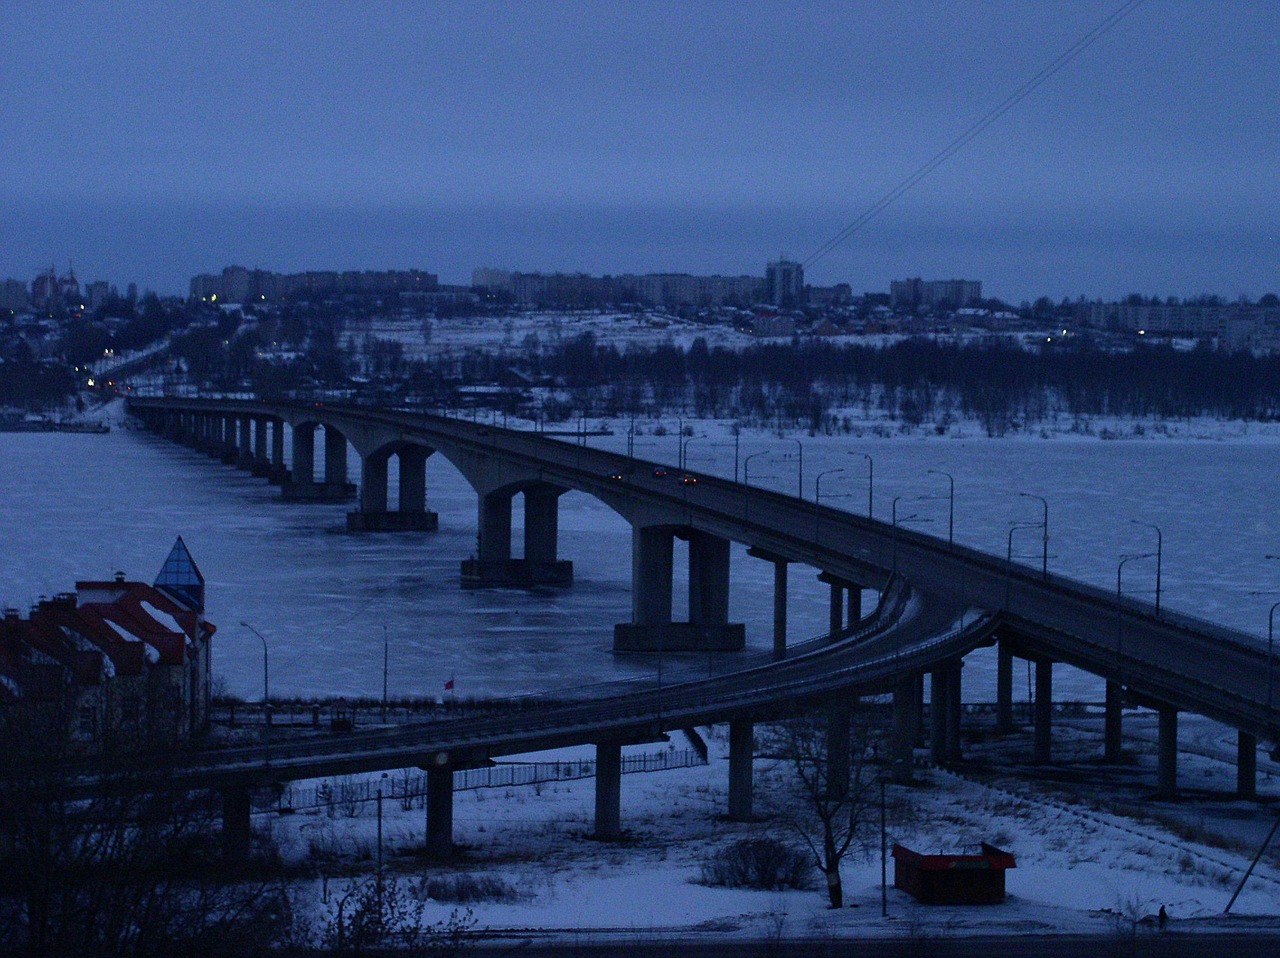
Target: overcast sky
153	142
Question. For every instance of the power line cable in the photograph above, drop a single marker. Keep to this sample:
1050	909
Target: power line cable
999	110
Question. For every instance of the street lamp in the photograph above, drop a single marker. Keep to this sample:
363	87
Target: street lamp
684	451
266	692
894	528
1008	569
1119	597
799	467
1044	562
817	496
1271	634
951	503
746	482
871	480
1159	555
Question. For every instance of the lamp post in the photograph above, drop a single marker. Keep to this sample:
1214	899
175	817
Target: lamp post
1271	634
951	503
817	496
746	481
871	482
684	451
1124	560
680	442
1159	555
1008	569
266	692
799	468
1044	561
894	528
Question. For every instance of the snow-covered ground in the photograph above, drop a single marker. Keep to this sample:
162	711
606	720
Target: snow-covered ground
1088	860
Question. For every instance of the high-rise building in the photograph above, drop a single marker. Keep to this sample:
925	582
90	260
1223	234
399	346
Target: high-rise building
955	293
784	283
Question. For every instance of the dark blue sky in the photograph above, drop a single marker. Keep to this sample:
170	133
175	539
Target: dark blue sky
152	142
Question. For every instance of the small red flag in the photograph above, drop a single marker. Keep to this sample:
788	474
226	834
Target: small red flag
448	686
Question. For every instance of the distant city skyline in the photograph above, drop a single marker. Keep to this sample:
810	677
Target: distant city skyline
601	138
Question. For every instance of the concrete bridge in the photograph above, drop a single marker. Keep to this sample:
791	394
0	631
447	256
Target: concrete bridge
938	602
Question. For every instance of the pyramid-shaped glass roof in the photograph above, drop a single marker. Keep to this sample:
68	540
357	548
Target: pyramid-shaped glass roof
180	577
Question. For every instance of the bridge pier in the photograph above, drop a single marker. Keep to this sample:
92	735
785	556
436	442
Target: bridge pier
839	746
1112	730
278	473
1043	712
779	600
494	566
230	444
237	829
741	755
302	485
1004	687
651	628
938	716
244	448
439	838
840	616
955	713
608	791
1246	765
261	461
906	713
1167	753
373	514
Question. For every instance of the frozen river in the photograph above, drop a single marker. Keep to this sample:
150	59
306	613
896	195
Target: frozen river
83	506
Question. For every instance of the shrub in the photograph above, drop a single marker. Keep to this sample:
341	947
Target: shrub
466	889
762	863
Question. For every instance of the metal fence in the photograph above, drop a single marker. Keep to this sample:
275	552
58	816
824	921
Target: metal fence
348	793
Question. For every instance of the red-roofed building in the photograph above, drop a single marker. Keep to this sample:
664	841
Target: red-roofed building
121	659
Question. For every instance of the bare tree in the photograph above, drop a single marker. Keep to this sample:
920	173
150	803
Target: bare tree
99	856
837	782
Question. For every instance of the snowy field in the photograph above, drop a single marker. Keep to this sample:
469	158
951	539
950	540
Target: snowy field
1090	866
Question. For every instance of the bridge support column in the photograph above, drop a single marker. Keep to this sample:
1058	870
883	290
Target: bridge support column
906	712
244	448
836	610
741	755
1112	729
542	537
955	712
608	791
336	486
373	514
301	483
1167	753
651	628
938	716
779	600
261	461
494	565
237	831
278	473
1044	712
439	842
708	579
230	444
779	610
1246	765
839	747
1004	688
853	602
